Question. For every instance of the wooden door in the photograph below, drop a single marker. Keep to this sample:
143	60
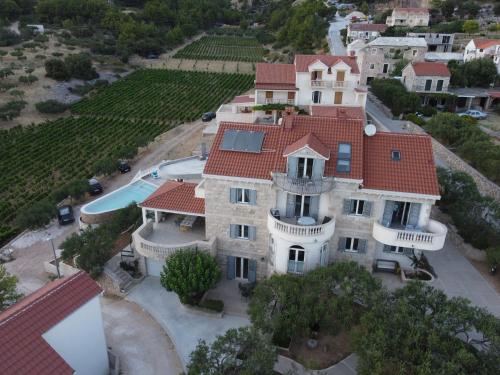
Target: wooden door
338	97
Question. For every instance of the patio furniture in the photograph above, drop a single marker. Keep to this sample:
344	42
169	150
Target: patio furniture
187	223
306	220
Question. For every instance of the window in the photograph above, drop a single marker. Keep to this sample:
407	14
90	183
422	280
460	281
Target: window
302	205
305	167
296	256
385	69
372	66
439	85
396	155
398	250
352	245
344	158
243	196
374	51
242	232
357	207
414	52
428	84
316	97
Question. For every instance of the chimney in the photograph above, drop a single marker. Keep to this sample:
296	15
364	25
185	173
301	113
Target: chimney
290	111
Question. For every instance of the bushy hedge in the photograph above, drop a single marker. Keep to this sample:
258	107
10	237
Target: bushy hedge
395	96
51	106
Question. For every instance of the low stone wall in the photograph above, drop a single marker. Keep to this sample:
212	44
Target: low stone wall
96	218
64	269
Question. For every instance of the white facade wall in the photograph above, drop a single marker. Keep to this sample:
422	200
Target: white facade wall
471	53
367	36
279	97
79	339
405	18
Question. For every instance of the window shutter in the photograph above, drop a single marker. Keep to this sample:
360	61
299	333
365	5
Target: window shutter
318	167
252	270
367	208
414	214
388	210
293	165
342	243
314	207
232	195
252	232
290	205
253	197
362	246
231	268
232	230
347	206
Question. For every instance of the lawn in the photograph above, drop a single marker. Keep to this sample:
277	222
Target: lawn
227	48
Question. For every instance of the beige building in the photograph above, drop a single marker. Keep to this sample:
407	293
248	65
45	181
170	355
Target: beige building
426	77
408	17
377	58
364	31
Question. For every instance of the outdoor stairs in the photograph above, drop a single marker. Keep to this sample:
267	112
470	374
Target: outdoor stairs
125	279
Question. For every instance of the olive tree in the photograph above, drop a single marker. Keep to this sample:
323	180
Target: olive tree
8	289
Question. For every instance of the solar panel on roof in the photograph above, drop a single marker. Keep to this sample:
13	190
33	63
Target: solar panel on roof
242	140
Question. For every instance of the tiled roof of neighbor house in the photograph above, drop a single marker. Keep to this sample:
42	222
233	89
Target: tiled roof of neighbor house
414	173
370	156
485	43
398	41
311	141
411	10
494	94
430	69
302	62
243	99
380	27
176	196
22	347
275	76
338	111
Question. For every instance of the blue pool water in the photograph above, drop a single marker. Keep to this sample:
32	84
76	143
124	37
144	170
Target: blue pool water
135	192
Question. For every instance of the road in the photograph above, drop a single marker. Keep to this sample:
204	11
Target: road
334	38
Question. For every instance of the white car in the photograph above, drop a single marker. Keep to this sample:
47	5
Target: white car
475	114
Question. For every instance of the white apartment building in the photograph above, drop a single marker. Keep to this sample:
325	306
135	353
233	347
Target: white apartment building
408	17
289	197
377	58
364	31
483	48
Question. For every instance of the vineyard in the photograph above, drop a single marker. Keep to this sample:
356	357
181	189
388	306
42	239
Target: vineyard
228	48
35	160
166	95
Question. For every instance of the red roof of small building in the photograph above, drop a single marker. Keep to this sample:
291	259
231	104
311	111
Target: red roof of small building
311	141
414	173
338	111
302	62
380	27
275	76
494	94
243	99
412	10
177	197
486	43
425	68
22	347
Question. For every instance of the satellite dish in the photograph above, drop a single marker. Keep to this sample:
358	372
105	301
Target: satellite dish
370	130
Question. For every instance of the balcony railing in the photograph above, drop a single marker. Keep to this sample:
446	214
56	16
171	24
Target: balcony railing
422	88
161	251
305	231
279	101
430	238
303	185
318	83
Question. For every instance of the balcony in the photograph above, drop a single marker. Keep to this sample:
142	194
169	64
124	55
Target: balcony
430	238
303	186
279	101
317	83
160	240
423	88
288	229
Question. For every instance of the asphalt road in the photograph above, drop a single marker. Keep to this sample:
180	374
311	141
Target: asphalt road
334	39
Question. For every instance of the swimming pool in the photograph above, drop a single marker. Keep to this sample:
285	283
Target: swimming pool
120	198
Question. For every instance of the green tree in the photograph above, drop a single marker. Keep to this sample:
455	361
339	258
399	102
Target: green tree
36	216
471	27
56	69
5	72
243	351
190	273
364	8
418	330
19	94
480	72
448	8
8	289
493	255
397	71
80	66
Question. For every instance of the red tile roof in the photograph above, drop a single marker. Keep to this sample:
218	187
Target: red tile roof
380	27
243	99
494	94
425	68
275	76
311	141
22	347
485	43
412	10
414	173
302	62
338	111
177	197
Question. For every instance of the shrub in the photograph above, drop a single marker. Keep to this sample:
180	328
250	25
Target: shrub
16	53
8	37
394	95
428	111
36	216
213	304
56	69
28	79
11	109
493	255
51	106
415	119
190	273
105	166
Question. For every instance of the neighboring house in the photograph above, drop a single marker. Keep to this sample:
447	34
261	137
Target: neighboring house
289	197
311	80
364	31
426	79
444	57
487	48
56	330
378	58
436	42
408	17
355	16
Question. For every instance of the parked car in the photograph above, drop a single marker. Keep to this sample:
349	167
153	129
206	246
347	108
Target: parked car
152	56
123	166
95	187
208	116
475	114
65	215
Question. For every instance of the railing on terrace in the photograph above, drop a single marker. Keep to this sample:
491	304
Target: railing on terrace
330	84
303	185
301	230
279	101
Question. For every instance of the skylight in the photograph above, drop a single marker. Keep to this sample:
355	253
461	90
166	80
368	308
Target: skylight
396	155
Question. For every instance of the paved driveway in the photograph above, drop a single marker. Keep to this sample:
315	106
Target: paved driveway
336	45
184	327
